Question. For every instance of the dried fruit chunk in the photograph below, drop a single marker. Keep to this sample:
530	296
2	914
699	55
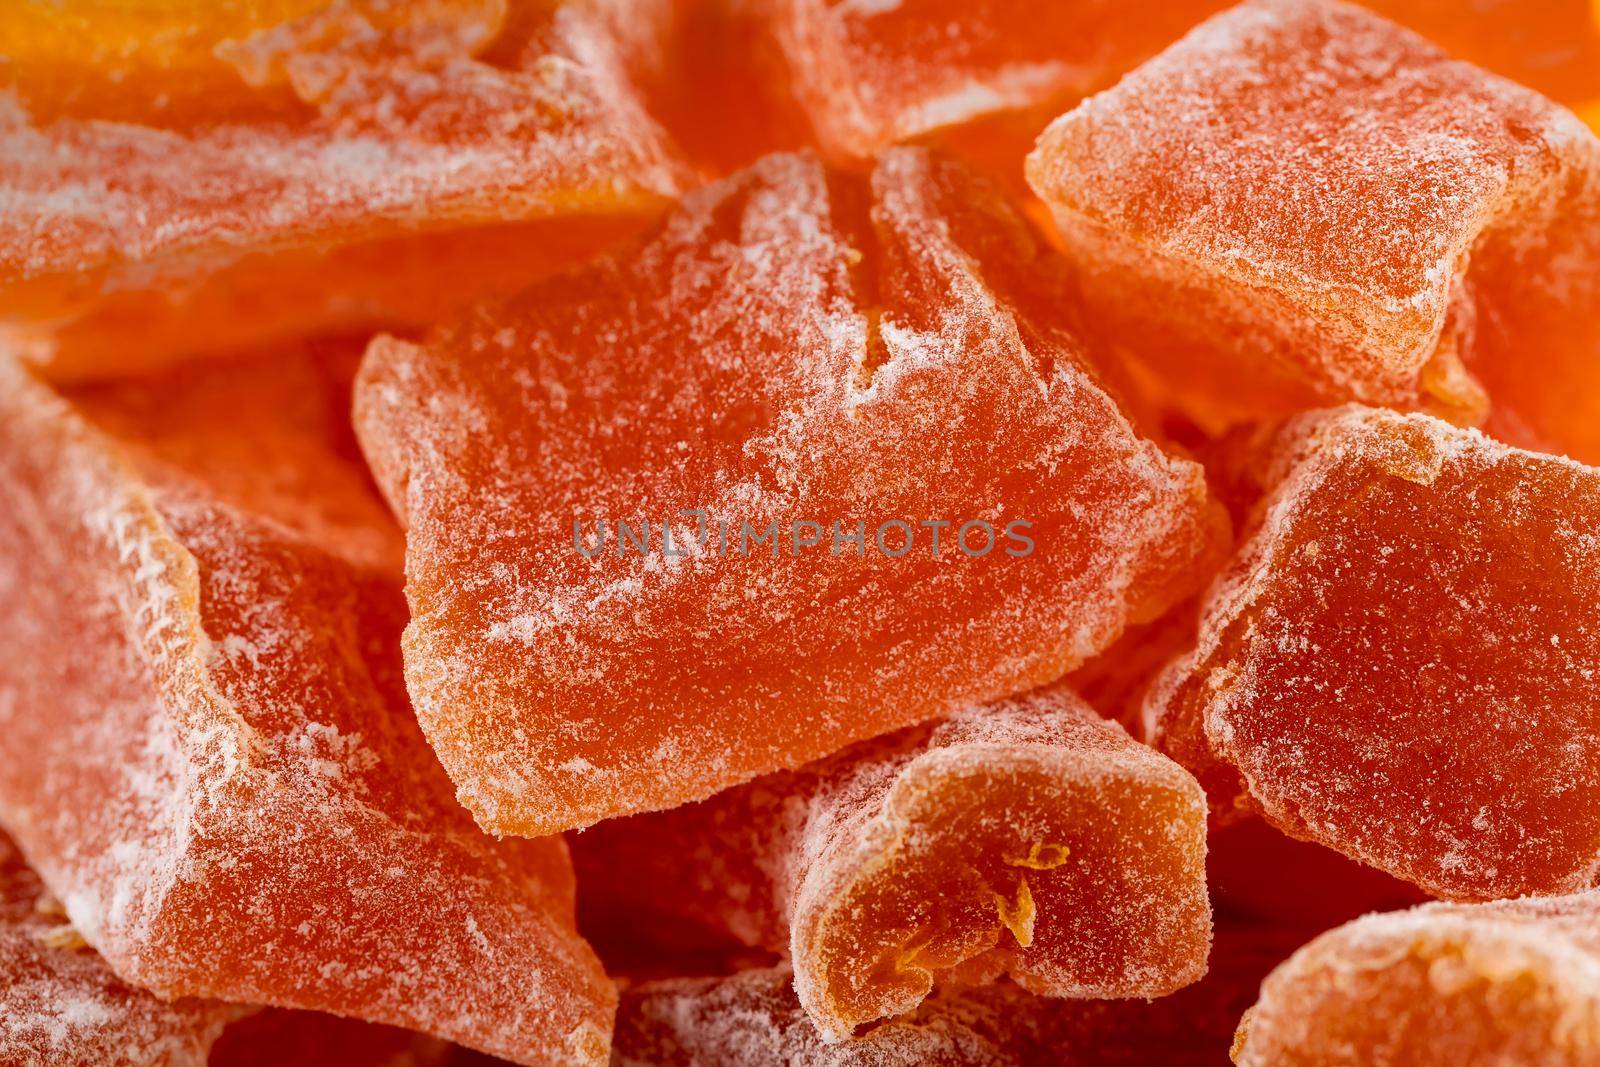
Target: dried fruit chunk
753	1019
60	1005
1512	982
987	75
1030	838
171	61
803	358
1399	663
407	176
1425	236
871	75
204	741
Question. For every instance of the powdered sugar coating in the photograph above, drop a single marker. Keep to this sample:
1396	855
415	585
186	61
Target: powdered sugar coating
871	75
1400	662
205	748
794	345
395	134
753	1019
1355	216
60	1005
1028	838
1509	982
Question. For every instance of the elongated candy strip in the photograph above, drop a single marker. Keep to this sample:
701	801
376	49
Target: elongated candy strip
1427	236
60	1005
205	747
808	377
412	157
1399	663
1030	838
1513	982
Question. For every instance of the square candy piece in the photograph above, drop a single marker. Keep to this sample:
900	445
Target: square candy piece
1029	838
1400	664
205	745
1511	982
299	166
1302	203
802	375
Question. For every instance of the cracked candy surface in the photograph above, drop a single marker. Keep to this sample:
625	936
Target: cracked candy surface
205	747
792	346
753	1019
61	1006
410	161
1357	217
1030	838
1511	982
1399	663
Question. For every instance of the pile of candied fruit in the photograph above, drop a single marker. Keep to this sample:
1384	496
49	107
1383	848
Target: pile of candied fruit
841	533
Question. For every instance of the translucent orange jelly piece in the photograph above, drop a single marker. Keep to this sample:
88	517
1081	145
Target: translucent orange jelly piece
870	75
1512	982
1356	216
989	72
753	1019
793	347
413	158
205	747
1029	838
60	1005
1399	663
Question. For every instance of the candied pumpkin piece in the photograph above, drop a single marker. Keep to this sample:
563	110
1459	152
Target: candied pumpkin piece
872	75
431	154
60	1005
1029	838
205	747
1399	664
1358	217
799	375
1511	982
170	60
753	1019
986	75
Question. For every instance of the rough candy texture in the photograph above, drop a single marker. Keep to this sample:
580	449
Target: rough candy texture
794	347
871	75
753	1019
1400	662
60	1005
1510	983
988	74
351	164
205	749
1356	217
1029	838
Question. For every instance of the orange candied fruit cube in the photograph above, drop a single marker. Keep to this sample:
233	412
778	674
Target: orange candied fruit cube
207	753
865	355
1512	981
1029	838
353	164
1399	663
1429	239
